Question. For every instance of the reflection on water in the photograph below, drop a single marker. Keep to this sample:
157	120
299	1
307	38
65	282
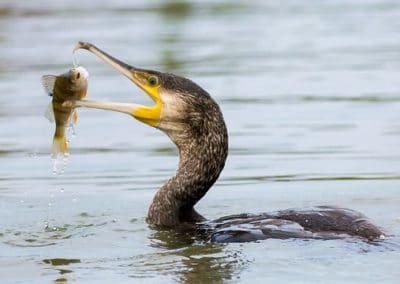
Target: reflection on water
194	262
310	94
61	262
176	9
178	255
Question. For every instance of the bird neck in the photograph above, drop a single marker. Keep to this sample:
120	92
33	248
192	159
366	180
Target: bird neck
201	161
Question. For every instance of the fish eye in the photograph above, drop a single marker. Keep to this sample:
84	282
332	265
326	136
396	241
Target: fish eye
153	81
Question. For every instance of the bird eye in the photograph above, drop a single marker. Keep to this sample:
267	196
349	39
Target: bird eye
153	81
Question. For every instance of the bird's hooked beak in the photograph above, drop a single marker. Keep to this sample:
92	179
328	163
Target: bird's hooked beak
146	80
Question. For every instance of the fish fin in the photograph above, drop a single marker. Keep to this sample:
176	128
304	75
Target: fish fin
74	117
49	113
60	146
48	82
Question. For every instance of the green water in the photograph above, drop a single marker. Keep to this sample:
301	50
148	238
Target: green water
311	97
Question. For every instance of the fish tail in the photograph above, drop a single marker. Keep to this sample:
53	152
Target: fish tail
60	146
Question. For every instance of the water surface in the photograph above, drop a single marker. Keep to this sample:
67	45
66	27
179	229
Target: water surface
310	94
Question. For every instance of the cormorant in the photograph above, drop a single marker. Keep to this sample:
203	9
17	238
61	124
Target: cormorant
194	122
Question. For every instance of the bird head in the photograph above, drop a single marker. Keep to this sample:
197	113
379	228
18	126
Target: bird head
181	108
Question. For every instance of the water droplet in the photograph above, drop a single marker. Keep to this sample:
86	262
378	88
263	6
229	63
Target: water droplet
75	60
74	200
70	132
60	164
62	190
32	155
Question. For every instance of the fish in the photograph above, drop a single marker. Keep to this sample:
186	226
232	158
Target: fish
71	85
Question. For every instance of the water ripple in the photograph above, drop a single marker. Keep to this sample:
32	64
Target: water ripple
236	180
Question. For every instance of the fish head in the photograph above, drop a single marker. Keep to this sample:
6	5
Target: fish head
78	75
77	79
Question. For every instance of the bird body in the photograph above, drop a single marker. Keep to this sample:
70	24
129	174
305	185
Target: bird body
194	122
321	222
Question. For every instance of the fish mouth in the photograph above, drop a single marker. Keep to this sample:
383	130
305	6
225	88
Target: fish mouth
147	114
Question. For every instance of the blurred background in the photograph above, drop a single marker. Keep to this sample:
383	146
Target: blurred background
311	97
